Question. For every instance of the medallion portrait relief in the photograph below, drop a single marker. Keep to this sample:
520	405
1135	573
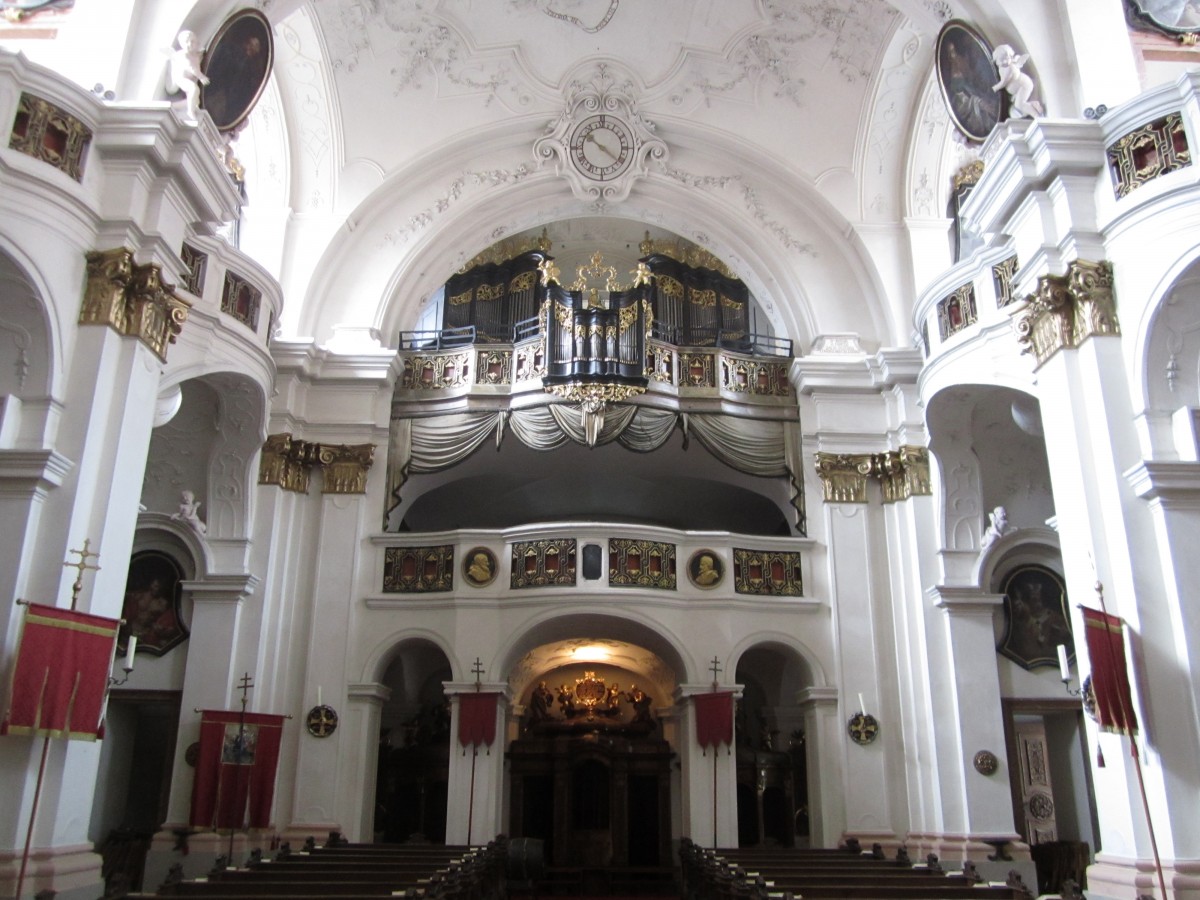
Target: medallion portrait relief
479	567
705	569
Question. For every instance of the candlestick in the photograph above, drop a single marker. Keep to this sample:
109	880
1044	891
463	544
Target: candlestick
1064	664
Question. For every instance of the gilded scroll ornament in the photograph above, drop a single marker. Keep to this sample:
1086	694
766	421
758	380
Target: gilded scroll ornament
1149	152
437	372
684	252
745	376
698	370
345	467
1066	310
844	476
132	300
493	367
531	360
956	311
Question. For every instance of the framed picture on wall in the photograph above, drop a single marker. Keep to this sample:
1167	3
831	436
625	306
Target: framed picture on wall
153	593
1035	617
238	64
965	74
1172	17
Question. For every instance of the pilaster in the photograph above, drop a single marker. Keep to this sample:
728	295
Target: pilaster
824	740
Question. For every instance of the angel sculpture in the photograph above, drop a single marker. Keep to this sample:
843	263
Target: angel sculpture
1017	83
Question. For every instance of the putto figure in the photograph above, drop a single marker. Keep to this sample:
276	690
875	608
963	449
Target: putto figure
189	512
185	75
1017	83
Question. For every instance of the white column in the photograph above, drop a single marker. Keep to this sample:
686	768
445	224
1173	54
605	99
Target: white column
364	704
823	737
474	801
708	777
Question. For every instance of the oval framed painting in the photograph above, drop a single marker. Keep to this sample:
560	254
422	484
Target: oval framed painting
1172	17
966	74
237	64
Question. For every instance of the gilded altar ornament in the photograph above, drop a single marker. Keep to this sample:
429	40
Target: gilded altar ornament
986	762
1065	310
863	728
321	721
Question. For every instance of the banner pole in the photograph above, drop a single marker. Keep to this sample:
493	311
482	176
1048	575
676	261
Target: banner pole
471	800
1133	750
37	794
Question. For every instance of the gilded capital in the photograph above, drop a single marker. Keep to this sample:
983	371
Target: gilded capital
844	476
132	299
155	314
108	276
903	473
287	462
1066	310
345	467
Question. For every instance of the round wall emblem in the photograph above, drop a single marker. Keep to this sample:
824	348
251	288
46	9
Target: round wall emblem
986	762
863	728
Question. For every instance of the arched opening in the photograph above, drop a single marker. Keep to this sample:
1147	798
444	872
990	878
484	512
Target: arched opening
414	747
772	763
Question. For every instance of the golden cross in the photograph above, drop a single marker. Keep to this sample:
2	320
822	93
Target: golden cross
478	670
245	684
81	565
715	668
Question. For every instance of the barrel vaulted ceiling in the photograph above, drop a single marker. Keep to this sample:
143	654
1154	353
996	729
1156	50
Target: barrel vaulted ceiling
397	141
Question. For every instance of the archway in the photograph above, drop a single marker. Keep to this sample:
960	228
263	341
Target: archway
414	746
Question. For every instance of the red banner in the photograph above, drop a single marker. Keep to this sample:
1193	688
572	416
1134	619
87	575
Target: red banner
477	719
714	718
61	679
235	769
1110	677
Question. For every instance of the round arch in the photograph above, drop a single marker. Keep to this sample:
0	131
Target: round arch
795	652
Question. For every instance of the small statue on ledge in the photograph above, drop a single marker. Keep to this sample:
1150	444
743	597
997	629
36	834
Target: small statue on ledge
1017	83
189	512
185	75
998	527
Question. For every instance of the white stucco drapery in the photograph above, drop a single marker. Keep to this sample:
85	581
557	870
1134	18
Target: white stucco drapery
766	448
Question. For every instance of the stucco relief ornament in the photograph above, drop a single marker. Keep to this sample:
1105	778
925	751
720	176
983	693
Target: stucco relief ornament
600	143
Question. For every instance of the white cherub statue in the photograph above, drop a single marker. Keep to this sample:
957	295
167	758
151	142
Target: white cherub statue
1017	83
184	73
997	527
189	512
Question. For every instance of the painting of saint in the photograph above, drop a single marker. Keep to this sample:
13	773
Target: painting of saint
152	604
1035	614
966	75
237	66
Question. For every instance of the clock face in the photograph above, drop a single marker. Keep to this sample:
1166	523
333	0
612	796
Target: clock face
602	147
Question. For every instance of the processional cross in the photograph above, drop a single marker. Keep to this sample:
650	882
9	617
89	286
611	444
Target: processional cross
478	670
715	668
81	566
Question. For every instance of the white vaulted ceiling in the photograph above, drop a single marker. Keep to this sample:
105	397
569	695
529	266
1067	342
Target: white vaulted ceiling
398	142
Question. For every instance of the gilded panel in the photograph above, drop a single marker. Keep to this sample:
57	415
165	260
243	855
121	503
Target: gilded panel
957	312
493	367
51	135
744	376
698	370
660	363
637	563
531	360
241	299
431	373
767	572
1003	274
416	570
196	262
1147	153
543	563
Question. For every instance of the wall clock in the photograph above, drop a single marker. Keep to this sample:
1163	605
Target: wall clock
602	147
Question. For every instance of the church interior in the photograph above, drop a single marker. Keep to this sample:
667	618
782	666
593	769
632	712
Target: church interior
618	426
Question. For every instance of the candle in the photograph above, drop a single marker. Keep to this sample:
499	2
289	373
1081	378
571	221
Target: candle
129	651
319	703
862	707
1064	664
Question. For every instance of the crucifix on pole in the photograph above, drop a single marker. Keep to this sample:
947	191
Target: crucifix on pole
715	668
477	670
245	686
81	566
